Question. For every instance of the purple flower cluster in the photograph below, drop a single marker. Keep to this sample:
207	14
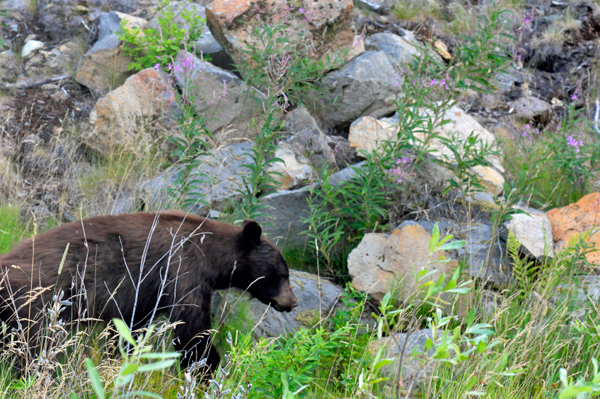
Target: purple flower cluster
573	142
528	130
186	65
404	163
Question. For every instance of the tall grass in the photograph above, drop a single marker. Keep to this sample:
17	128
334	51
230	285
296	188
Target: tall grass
12	227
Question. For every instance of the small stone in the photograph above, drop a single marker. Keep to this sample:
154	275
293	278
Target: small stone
31	47
531	109
442	50
50	87
60	96
533	230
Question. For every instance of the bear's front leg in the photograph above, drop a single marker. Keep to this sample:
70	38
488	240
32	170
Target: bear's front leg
193	338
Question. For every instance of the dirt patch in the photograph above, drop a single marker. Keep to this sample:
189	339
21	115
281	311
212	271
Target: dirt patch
44	112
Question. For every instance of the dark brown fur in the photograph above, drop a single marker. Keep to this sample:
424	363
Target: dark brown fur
105	257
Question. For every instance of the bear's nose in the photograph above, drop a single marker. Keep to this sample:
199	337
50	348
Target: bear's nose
294	303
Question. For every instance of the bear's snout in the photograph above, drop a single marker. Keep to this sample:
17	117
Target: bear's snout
286	300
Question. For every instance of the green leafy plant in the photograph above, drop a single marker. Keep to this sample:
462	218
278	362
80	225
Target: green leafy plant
152	46
133	363
523	272
3	17
466	154
261	179
581	389
483	53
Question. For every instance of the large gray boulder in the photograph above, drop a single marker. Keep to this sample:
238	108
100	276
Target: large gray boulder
289	208
413	370
317	298
398	50
364	86
482	252
224	169
220	96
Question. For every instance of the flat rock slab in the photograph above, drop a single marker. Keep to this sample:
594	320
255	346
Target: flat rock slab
221	97
316	299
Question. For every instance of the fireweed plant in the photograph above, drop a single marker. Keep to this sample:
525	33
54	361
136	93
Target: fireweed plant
284	71
561	160
340	215
160	45
192	142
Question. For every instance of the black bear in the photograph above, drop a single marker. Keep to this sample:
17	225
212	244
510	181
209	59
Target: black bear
131	265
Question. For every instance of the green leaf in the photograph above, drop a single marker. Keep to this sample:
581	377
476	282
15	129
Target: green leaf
156	366
94	378
141	393
168	355
123	331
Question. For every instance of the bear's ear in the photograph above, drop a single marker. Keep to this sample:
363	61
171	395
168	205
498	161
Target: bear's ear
251	233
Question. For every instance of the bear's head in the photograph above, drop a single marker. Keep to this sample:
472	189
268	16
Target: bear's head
262	270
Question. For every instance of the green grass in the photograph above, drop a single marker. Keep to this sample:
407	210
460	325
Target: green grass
12	228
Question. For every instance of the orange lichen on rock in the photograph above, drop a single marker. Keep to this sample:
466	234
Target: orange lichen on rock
577	218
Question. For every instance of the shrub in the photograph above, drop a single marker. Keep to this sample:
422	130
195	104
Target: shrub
153	46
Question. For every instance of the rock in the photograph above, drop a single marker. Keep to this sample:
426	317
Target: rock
531	109
224	167
30	47
9	67
580	296
483	257
307	136
575	219
220	96
122	118
377	6
442	50
398	50
326	24
295	168
533	230
411	370
317	298
58	61
64	20
364	86
367	133
381	260
344	154
105	65
288	209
